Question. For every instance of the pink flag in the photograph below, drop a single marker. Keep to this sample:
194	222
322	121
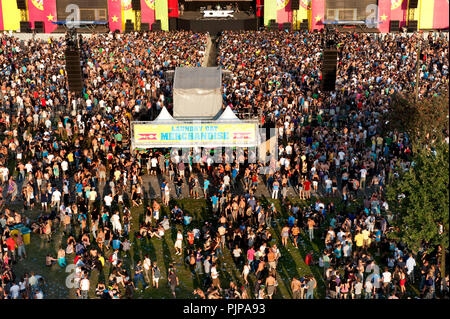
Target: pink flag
148	12
35	11
399	11
317	14
384	15
284	12
440	14
1	16
115	15
49	16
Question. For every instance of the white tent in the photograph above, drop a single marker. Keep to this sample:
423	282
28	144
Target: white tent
164	117
228	116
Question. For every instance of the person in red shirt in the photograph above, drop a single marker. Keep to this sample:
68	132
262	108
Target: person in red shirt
309	258
307	188
11	244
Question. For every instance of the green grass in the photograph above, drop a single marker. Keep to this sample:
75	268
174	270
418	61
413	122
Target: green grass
162	251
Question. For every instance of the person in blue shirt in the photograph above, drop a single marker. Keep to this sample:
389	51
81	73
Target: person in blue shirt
215	203
205	187
116	243
338	253
291	220
187	219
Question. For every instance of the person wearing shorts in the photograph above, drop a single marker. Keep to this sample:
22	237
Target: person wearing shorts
270	284
178	243
156	275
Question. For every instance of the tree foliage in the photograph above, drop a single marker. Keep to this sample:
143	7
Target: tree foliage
419	197
425	120
422	215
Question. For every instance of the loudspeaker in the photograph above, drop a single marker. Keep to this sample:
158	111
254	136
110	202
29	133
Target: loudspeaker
304	26
329	68
412	26
145	27
25	27
129	27
39	26
156	26
173	23
21	5
295	4
394	26
287	26
73	70
136	4
413	4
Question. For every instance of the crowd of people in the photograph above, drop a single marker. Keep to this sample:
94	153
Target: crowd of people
334	144
68	157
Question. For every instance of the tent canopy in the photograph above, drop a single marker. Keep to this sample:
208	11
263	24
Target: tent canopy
164	117
197	93
228	116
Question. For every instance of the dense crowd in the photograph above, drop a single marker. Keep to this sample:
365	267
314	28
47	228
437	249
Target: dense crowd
334	145
69	158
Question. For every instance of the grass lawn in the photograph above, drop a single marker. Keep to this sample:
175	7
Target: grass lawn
163	251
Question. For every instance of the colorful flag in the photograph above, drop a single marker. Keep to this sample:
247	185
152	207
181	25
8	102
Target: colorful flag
148	12
115	15
162	13
440	16
384	15
173	8
127	13
50	16
1	16
317	14
259	8
9	15
270	11
284	12
399	11
302	12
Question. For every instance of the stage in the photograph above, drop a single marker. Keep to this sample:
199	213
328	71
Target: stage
194	21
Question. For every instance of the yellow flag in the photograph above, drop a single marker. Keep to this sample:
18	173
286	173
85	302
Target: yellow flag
11	15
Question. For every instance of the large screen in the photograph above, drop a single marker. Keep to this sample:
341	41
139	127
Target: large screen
89	9
347	9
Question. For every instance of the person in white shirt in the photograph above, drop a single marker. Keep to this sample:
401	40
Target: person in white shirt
56	198
410	264
39	295
116	225
108	200
178	243
386	281
362	182
84	287
147	265
14	291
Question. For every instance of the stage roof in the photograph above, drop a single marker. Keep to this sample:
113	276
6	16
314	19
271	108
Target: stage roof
197	93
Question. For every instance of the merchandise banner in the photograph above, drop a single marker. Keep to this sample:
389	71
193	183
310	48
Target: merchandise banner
202	134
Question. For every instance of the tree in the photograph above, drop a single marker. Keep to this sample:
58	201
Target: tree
425	120
421	216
